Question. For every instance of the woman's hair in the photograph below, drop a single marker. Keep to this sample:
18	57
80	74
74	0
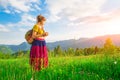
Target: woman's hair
40	19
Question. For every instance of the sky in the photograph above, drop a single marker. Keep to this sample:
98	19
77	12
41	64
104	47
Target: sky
66	19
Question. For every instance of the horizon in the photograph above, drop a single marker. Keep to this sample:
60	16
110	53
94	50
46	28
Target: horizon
65	20
70	39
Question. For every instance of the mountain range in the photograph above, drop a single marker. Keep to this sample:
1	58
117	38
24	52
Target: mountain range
73	43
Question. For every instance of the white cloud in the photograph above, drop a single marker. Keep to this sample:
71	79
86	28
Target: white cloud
101	18
74	9
22	30
7	11
27	21
37	7
3	28
12	37
4	3
53	18
11	41
19	5
73	24
17	11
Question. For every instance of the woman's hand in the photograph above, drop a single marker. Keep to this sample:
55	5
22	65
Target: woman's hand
35	35
45	34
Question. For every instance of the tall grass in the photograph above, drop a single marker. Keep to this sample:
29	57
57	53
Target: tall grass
94	67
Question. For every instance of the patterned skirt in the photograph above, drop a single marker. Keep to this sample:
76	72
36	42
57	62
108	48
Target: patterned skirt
38	54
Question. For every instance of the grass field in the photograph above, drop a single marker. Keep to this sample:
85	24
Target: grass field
94	67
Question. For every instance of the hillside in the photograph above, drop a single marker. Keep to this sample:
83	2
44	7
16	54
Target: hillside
4	49
80	43
86	42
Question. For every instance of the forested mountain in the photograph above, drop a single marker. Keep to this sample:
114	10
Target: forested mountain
65	44
4	49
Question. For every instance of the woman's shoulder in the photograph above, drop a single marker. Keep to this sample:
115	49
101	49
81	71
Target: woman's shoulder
35	26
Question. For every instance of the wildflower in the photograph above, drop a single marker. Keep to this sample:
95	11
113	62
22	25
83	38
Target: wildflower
31	78
115	62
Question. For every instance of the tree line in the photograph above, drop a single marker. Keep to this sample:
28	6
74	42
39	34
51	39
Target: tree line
108	48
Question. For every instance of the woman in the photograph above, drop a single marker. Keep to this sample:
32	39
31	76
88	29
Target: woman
38	51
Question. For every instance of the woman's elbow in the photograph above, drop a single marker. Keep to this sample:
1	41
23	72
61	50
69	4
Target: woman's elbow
33	36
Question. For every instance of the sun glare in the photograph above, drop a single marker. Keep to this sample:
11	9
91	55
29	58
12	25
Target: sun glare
113	26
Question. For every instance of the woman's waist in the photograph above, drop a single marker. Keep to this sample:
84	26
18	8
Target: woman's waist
40	38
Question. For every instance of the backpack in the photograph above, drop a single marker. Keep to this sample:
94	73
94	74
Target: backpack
28	36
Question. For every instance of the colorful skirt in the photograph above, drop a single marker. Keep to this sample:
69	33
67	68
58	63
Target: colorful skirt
38	54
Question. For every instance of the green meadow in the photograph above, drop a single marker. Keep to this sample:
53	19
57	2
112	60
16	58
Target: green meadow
92	67
82	39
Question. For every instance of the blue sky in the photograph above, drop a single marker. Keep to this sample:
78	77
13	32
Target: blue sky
71	19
